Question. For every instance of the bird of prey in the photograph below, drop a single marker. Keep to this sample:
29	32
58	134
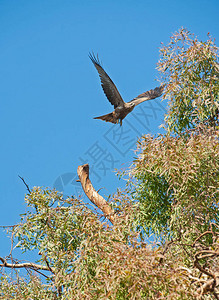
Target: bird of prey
121	108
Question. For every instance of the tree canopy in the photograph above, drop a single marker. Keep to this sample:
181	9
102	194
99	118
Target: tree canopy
157	239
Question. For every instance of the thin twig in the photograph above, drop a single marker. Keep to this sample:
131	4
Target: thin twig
28	190
6	226
25	183
47	263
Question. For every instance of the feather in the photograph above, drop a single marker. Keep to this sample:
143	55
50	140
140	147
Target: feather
152	94
108	118
107	84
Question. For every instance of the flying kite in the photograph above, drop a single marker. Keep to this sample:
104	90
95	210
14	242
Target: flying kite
122	109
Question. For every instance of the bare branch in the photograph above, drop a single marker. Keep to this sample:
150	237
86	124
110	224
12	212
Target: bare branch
23	265
25	183
41	273
28	190
200	236
95	198
208	286
47	263
197	264
7	226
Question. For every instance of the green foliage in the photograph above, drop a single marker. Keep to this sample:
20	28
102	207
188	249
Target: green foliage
189	69
177	183
151	190
56	229
175	176
89	259
21	289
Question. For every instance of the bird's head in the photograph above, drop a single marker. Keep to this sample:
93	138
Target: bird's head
131	106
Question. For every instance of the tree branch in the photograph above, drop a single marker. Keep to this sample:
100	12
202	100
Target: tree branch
23	265
208	286
95	198
200	236
25	183
28	189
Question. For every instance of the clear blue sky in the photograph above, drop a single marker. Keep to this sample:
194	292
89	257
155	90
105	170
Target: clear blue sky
50	91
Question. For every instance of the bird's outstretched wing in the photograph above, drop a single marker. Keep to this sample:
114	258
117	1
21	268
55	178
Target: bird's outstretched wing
107	84
108	118
152	94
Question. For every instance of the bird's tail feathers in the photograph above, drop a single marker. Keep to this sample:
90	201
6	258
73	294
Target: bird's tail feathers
108	118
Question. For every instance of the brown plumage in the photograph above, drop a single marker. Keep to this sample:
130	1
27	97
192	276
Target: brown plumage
122	109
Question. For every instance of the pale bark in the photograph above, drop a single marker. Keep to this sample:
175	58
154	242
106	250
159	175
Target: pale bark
23	265
92	194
